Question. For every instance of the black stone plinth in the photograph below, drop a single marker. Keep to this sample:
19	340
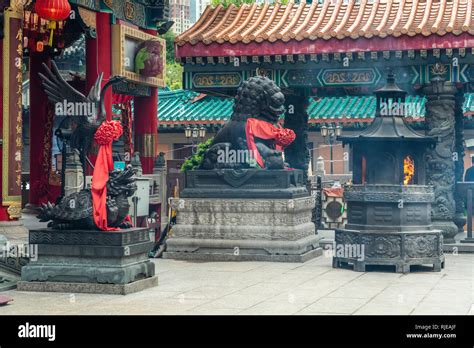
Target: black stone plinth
389	225
244	183
90	257
399	249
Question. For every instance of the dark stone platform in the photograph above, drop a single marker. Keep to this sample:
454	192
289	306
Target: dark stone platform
245	183
244	215
393	225
399	249
89	257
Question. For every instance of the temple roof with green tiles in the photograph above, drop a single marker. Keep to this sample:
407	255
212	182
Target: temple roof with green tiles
181	107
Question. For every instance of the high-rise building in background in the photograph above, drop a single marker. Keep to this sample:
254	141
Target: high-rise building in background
180	13
197	8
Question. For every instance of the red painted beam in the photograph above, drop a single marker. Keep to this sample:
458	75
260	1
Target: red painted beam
334	45
146	126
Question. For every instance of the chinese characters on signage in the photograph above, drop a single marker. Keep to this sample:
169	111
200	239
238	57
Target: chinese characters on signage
331	77
209	80
12	114
348	77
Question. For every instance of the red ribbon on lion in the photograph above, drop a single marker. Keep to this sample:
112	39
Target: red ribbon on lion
265	130
104	136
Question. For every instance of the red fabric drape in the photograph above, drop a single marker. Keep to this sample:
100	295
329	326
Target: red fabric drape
105	135
336	192
265	130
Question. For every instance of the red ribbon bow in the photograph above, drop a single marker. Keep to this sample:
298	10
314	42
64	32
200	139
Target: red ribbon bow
104	136
265	130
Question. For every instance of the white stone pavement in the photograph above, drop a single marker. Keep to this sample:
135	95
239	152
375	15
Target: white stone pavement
313	287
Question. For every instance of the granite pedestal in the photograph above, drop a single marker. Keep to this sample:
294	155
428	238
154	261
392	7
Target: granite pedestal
249	215
113	262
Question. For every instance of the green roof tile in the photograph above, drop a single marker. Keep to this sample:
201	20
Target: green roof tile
188	106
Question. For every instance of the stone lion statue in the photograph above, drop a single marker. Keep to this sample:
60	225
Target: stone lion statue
252	137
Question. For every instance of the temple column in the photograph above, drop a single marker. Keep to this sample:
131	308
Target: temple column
459	217
41	125
440	166
99	60
296	118
146	127
11	44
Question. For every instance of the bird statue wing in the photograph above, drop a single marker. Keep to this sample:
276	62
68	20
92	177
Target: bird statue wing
57	89
94	94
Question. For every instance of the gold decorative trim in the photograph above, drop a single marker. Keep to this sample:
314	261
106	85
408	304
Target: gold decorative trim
18	5
119	33
109	3
146	145
6	199
89	17
14	211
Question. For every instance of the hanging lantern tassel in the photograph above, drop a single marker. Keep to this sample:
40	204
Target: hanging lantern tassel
53	11
51	26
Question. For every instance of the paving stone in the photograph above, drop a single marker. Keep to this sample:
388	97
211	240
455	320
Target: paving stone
433	308
471	310
238	301
212	310
399	297
356	291
206	292
312	288
334	305
454	284
274	308
300	296
384	309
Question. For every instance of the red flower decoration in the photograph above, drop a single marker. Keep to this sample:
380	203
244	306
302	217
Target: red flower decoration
108	132
284	136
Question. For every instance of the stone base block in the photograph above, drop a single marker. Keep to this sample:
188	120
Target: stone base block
87	273
459	247
399	249
243	250
89	288
246	183
243	230
89	257
8	280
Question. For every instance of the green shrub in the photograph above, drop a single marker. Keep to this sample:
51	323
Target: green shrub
195	160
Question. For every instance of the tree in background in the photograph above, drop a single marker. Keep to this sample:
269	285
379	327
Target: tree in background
174	76
174	71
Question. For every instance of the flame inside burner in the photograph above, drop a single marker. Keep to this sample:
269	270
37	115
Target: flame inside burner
408	170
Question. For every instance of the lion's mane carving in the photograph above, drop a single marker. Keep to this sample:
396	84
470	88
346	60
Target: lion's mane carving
258	98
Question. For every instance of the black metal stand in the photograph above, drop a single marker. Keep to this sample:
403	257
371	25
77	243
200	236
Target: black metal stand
465	189
331	144
469	238
63	168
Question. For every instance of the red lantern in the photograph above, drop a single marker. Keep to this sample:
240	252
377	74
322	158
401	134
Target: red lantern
53	11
